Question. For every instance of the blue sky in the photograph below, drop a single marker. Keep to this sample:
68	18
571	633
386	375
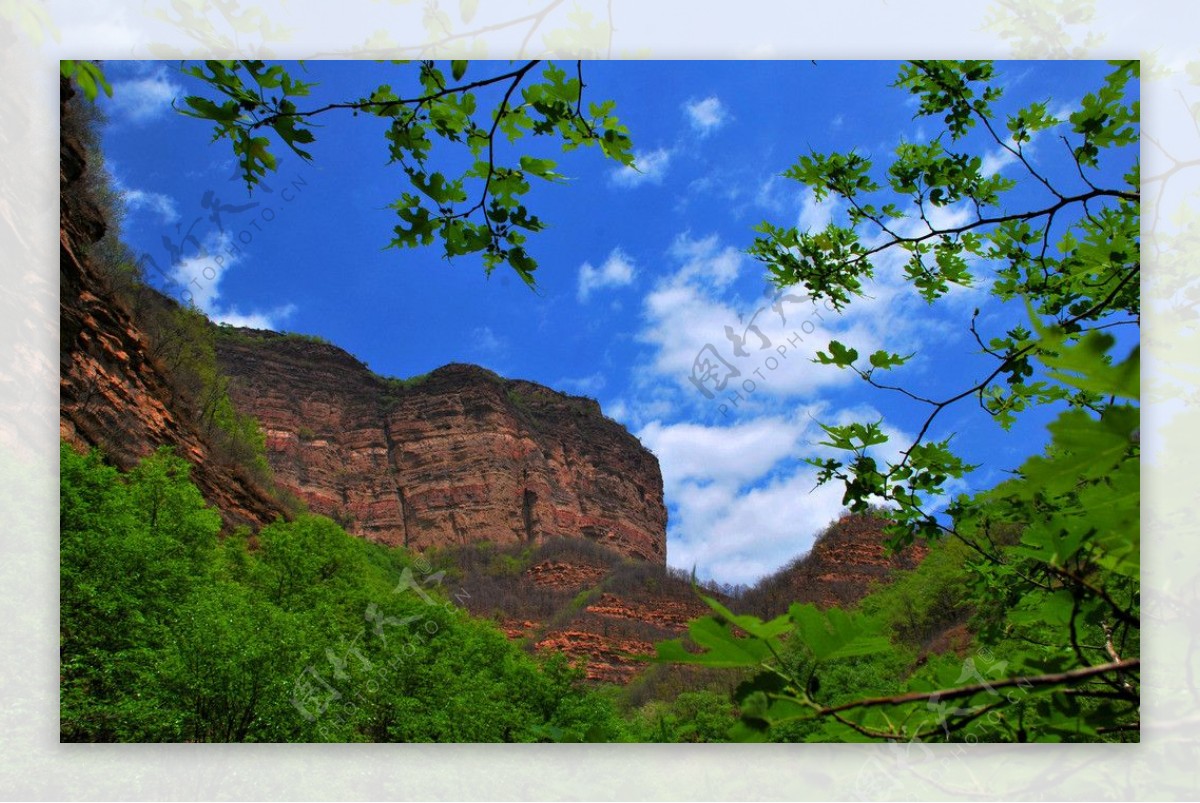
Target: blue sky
639	272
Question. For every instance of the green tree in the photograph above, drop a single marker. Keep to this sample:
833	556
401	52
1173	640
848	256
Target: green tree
918	605
467	194
227	669
1070	265
130	554
1058	251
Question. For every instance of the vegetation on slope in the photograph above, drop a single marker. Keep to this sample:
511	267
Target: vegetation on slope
300	633
179	340
172	632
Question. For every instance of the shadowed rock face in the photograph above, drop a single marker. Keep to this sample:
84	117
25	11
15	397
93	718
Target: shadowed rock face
461	455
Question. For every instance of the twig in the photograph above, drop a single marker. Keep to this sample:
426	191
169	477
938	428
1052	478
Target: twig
1052	679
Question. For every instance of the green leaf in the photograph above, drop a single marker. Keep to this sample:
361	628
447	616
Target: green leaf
751	624
542	168
854	437
835	633
203	107
88	76
886	360
838	355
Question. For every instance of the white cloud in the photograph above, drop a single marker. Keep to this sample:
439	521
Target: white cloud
144	98
201	273
733	454
618	410
156	202
740	537
649	167
693	311
199	278
816	215
776	194
486	341
589	385
996	160
271	319
729	518
135	199
706	115
743	502
705	260
616	271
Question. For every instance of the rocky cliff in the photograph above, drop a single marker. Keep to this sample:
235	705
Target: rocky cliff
459	455
844	561
112	394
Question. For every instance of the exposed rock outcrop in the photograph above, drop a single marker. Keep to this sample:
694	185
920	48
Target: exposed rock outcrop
844	561
605	659
112	395
458	456
589	603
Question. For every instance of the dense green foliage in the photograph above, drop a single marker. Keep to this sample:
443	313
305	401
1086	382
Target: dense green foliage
918	606
183	342
303	633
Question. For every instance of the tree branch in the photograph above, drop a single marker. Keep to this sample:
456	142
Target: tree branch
386	106
1034	681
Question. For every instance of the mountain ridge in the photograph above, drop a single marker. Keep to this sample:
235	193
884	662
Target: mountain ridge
457	455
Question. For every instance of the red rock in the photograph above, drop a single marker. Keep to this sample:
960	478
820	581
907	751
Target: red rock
461	456
604	659
565	576
839	570
668	614
111	394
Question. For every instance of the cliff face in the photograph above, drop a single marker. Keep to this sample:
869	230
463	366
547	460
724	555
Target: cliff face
111	394
839	570
459	456
463	456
